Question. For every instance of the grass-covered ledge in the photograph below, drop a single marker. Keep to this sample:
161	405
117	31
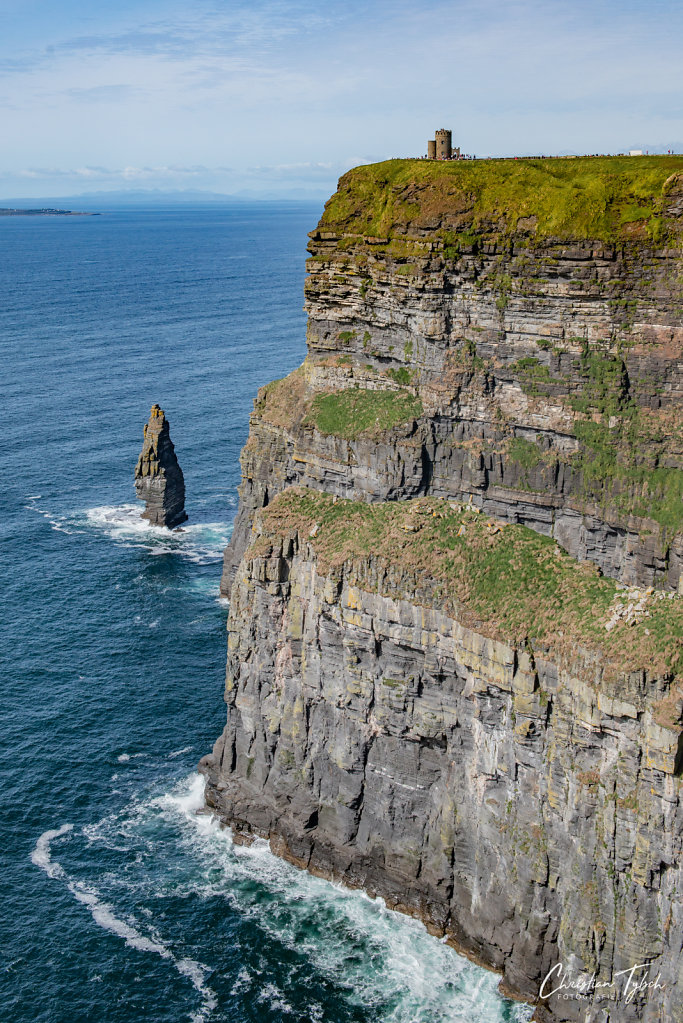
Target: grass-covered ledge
506	581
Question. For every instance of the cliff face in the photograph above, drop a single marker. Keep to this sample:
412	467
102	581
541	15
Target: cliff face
519	796
425	697
547	372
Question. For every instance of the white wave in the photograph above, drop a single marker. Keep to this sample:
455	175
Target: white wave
378	960
200	542
180	752
42	853
187	798
271	994
195	973
104	916
242	983
57	522
124	519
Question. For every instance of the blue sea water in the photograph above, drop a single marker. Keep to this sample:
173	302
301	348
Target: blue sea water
119	902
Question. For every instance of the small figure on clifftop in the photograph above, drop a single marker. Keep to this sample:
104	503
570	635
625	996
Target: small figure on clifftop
158	477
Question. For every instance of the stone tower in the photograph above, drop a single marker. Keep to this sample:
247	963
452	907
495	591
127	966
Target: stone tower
444	143
431	150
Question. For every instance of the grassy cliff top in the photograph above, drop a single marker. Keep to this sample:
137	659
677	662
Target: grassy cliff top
506	581
601	198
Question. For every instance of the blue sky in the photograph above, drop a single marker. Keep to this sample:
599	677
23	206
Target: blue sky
281	97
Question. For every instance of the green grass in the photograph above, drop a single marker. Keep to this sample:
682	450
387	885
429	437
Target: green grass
618	470
513	584
357	411
531	368
614	471
349	413
619	463
602	198
525	453
403	375
534	376
605	388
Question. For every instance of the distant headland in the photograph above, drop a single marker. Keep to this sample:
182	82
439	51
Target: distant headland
46	212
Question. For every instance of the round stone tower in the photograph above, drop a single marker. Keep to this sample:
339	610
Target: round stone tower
444	143
431	150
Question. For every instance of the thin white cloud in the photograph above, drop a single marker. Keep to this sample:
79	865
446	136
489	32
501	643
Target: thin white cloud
307	169
122	174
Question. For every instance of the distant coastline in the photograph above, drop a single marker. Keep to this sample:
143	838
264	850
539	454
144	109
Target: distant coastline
6	212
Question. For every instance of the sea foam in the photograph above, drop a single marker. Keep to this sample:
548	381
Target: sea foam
42	853
200	542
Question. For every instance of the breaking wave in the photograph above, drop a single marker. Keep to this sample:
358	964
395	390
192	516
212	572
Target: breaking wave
200	542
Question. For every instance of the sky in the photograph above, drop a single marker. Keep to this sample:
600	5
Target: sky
280	97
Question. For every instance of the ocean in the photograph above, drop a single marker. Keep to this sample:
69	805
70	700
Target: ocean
120	902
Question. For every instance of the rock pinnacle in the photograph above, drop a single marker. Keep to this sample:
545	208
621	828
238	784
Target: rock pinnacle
158	477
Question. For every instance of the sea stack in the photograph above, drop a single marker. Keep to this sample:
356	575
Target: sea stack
158	477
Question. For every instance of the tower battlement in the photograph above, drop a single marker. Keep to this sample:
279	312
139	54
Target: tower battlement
441	146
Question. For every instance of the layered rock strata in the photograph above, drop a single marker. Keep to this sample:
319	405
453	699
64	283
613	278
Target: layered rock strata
433	737
159	480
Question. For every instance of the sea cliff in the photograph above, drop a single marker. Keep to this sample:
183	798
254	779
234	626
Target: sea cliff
454	635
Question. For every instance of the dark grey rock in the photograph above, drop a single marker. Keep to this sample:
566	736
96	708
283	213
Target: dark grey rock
529	810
